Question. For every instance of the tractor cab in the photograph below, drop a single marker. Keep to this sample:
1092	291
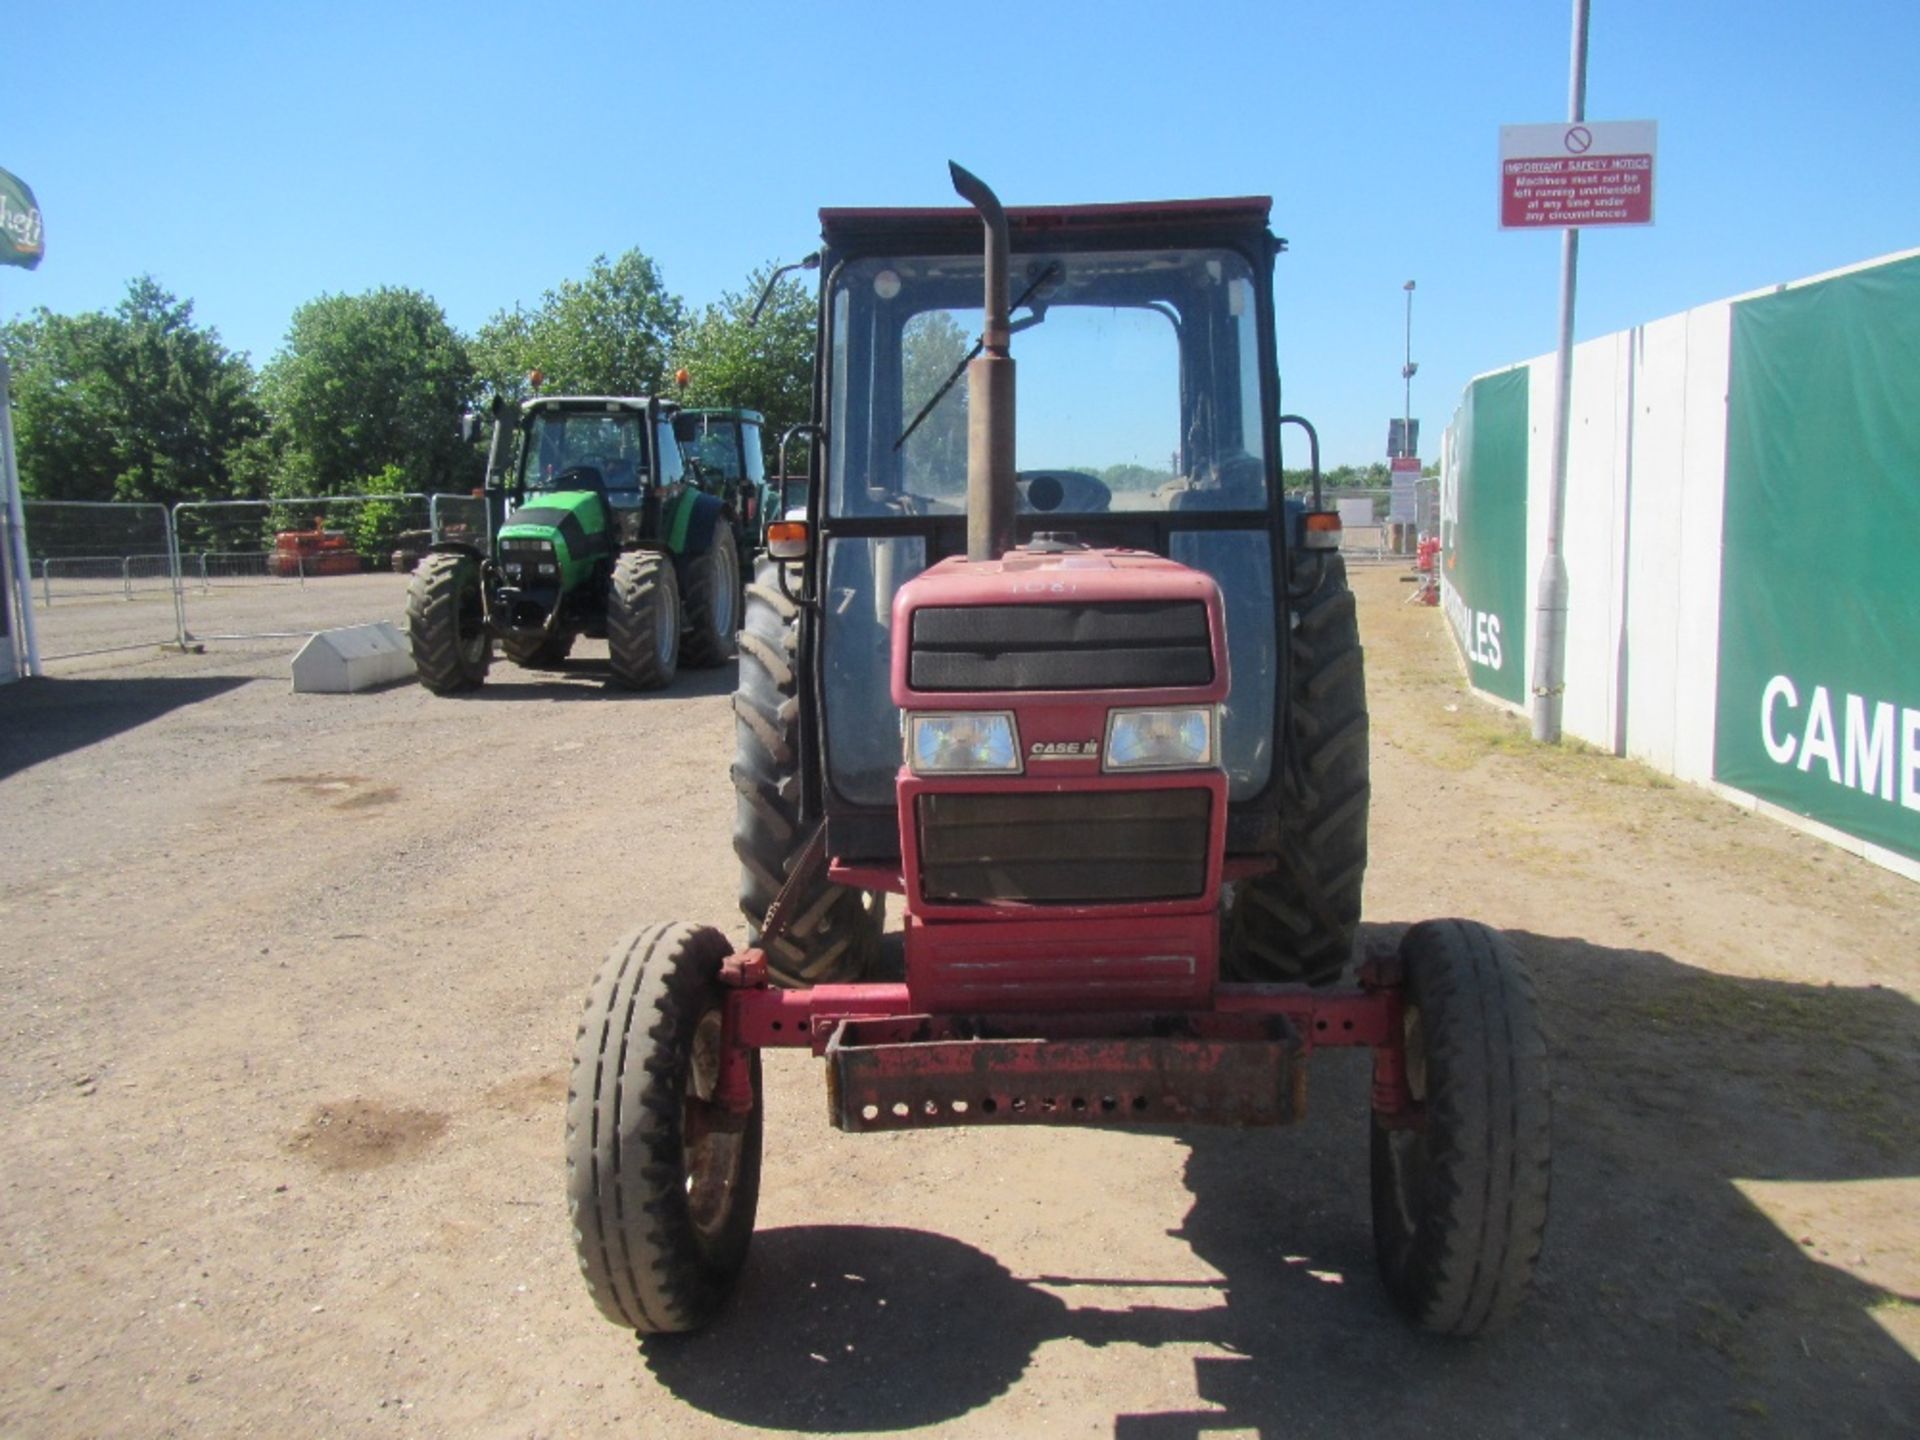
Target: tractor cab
724	448
612	447
1147	410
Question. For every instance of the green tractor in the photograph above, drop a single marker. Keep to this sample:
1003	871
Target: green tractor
602	529
729	444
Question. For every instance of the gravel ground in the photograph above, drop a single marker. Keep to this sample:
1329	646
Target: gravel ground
292	984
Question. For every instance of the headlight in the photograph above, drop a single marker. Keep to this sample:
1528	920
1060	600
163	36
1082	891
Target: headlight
1160	739
938	743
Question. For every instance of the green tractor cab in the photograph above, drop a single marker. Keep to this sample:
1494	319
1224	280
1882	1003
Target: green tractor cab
601	528
729	444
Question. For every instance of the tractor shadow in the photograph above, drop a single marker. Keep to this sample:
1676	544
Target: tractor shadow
1666	1303
591	678
44	718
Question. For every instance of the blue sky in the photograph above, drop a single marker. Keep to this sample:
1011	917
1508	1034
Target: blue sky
254	156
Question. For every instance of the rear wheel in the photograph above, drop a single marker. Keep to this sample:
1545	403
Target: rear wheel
1460	1195
447	623
643	621
662	1183
544	652
713	602
834	932
1297	921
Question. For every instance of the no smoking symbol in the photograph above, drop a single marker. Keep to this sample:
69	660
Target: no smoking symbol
1579	140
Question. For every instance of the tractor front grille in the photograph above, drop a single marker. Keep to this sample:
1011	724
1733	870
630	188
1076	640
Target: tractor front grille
1109	645
1076	847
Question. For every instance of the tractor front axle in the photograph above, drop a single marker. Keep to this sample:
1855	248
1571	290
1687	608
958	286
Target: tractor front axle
892	1066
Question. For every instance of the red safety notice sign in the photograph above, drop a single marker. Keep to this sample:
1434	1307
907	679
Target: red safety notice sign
1596	173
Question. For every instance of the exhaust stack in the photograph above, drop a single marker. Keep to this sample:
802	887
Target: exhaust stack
991	497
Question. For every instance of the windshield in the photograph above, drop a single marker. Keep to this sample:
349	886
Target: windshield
1139	383
720	447
560	441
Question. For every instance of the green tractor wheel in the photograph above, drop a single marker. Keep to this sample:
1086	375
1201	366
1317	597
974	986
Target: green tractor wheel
713	602
643	621
447	623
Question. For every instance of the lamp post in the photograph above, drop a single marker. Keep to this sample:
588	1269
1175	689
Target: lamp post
1406	374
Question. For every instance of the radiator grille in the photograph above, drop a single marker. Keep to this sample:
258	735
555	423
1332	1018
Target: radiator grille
1114	645
1090	846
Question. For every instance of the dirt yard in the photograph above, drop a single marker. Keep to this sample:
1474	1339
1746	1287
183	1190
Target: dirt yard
291	983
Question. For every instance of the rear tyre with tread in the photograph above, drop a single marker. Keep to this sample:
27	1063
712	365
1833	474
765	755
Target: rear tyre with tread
662	1184
643	621
712	602
1460	1197
833	935
446	624
1297	921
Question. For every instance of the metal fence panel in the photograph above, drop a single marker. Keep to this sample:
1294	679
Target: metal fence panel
282	569
102	577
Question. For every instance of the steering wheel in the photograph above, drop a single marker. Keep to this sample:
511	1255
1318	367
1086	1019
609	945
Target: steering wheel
1073	491
590	477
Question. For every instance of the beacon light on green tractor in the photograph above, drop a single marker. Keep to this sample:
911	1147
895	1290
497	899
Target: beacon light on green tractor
601	528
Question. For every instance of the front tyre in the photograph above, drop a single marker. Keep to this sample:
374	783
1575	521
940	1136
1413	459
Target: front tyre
662	1184
447	623
712	602
643	621
1460	1195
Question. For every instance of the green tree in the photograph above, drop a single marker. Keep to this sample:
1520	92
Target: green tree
605	335
137	404
767	366
377	524
365	382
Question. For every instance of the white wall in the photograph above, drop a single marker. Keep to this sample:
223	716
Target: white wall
1646	480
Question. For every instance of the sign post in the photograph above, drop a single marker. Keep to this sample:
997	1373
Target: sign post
1563	177
22	243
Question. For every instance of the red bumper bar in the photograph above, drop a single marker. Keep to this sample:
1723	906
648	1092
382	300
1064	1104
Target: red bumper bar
891	1067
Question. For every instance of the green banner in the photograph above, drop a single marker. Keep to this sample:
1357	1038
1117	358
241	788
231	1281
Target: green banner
1819	686
23	239
1483	534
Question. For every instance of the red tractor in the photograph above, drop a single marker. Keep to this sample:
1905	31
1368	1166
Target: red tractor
1099	719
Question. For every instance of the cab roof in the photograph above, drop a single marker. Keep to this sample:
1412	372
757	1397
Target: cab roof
1031	226
594	402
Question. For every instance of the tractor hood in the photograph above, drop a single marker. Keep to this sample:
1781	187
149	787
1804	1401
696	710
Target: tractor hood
575	521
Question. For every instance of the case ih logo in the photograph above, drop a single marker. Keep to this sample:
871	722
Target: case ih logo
1065	750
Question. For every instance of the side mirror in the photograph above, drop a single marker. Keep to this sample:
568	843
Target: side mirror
469	427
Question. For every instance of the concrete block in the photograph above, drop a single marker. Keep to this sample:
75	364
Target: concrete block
355	657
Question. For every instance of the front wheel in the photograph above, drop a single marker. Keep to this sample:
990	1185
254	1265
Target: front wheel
643	621
662	1183
1460	1193
447	623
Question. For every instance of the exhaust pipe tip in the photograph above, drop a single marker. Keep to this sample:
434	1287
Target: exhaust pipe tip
991	500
